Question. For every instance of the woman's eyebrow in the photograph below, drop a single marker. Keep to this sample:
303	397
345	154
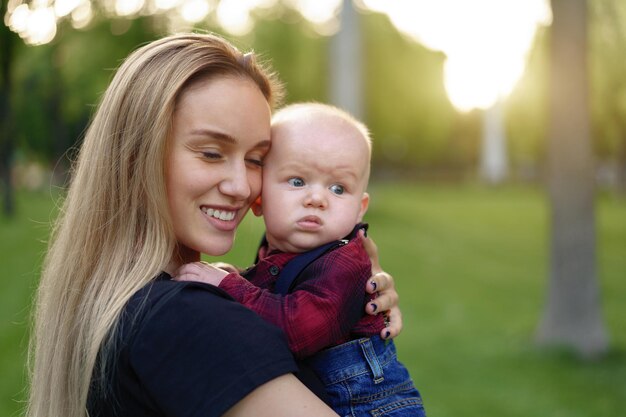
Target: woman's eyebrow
214	134
225	137
263	144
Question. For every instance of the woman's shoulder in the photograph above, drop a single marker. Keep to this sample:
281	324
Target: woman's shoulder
163	289
183	302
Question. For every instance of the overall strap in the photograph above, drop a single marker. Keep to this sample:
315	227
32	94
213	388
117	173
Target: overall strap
295	266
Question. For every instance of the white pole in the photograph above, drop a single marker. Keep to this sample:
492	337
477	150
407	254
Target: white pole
494	166
346	88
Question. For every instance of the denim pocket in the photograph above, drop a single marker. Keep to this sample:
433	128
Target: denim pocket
390	399
404	408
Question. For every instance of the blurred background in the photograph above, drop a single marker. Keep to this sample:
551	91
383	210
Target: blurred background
498	185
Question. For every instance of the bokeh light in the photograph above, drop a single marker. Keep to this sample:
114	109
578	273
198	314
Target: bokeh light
485	41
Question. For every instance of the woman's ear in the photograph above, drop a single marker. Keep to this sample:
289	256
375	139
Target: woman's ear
256	207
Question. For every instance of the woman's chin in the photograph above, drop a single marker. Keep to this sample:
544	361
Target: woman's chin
218	248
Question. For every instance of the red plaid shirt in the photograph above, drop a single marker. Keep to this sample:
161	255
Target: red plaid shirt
323	311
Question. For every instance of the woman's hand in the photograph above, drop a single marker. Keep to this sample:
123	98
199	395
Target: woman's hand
381	283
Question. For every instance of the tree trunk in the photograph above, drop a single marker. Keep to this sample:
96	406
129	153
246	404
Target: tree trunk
621	166
6	126
572	316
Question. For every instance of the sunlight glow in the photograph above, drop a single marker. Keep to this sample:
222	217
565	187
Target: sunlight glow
234	16
18	22
42	26
323	15
162	5
194	11
485	41
318	11
237	17
64	7
128	7
82	15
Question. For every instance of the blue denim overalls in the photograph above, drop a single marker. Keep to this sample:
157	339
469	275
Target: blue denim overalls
363	377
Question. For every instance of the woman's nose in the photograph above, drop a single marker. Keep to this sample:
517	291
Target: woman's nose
236	184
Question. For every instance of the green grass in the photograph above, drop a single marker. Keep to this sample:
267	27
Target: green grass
471	266
22	247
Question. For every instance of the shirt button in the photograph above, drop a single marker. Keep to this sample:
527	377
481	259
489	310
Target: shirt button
274	270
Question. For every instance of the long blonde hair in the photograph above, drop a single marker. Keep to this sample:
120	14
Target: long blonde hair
114	234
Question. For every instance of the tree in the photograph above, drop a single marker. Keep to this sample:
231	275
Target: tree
7	144
572	315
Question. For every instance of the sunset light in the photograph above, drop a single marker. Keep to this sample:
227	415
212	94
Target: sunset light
485	41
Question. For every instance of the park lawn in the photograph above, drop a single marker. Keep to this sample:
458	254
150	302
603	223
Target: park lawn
471	266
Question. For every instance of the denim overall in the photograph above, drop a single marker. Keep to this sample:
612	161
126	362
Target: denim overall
363	377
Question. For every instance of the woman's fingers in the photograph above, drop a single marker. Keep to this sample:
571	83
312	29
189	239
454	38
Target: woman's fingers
386	300
372	251
380	282
385	303
394	326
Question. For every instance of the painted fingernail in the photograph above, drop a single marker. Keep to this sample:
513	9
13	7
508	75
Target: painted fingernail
374	307
373	284
387	334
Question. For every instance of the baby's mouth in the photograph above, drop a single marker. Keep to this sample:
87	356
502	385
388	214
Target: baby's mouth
310	222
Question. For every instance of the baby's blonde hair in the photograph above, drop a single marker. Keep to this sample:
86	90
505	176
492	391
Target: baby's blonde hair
114	233
294	111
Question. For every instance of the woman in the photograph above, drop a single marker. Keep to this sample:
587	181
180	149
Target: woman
168	168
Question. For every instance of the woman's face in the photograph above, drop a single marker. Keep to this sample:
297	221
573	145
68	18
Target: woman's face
220	135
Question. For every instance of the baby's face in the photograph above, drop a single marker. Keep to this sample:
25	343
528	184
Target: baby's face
314	182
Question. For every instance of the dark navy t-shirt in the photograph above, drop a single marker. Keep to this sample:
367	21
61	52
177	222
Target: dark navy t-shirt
186	349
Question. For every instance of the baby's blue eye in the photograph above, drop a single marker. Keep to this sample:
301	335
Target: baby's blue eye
296	182
336	189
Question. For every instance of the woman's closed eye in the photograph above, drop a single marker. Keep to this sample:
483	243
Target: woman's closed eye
296	182
212	155
255	161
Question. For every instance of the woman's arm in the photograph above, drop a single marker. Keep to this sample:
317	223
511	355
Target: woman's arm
282	396
383	284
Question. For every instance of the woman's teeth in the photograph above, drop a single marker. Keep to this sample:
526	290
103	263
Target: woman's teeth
219	214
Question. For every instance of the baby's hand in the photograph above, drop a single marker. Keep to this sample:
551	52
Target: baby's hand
226	267
200	272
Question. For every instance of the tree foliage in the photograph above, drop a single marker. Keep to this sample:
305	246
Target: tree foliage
415	128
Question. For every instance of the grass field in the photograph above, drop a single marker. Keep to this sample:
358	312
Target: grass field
471	266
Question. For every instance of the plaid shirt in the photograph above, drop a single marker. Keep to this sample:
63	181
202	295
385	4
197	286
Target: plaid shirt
325	310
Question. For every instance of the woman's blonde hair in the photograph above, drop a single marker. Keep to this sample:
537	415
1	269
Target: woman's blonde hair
114	234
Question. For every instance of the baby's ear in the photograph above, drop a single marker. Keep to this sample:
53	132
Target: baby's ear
365	201
256	207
